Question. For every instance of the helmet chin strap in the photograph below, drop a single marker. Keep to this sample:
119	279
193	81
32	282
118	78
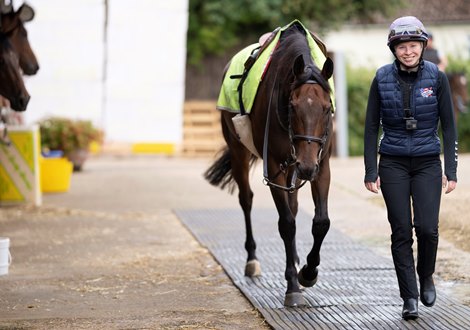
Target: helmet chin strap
410	68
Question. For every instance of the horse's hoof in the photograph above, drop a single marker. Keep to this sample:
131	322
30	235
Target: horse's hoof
306	282
253	268
294	299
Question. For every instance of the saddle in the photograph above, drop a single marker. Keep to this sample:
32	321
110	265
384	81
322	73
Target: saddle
268	37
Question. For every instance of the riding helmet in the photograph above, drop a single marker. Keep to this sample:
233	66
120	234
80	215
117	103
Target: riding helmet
406	28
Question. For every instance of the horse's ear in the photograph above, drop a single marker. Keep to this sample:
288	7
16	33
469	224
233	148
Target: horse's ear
25	13
327	70
299	65
5	7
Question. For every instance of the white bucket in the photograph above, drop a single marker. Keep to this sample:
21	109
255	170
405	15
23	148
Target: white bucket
5	256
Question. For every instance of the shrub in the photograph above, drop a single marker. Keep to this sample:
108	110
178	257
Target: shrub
67	135
358	81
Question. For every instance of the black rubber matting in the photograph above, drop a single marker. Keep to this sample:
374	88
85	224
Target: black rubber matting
356	289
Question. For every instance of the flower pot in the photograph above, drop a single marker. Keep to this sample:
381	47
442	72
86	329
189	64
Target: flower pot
78	158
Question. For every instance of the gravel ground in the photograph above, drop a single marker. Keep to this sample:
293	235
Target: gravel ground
111	254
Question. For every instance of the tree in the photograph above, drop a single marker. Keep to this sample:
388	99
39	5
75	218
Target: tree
218	25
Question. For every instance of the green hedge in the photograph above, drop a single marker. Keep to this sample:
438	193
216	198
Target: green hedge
359	80
457	64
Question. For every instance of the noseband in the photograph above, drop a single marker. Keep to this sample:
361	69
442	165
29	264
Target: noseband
292	159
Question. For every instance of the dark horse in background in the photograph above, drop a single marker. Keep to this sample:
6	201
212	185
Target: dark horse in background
12	25
459	90
292	125
11	81
16	54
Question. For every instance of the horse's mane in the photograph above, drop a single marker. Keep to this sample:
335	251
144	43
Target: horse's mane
4	42
3	37
293	42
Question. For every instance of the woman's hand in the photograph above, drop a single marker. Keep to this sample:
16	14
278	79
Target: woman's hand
373	186
450	185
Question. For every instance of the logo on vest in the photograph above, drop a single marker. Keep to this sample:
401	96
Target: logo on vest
426	92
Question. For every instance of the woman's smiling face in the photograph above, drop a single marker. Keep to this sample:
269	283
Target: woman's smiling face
409	53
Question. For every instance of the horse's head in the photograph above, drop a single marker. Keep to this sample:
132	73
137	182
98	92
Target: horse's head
12	25
310	116
11	81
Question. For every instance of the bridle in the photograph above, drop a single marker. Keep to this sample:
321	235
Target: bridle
292	158
309	138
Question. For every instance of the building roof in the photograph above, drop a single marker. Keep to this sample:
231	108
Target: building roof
437	11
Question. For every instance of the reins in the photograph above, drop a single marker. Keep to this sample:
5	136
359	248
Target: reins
4	139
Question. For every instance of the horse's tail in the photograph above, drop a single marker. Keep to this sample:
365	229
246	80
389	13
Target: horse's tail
219	174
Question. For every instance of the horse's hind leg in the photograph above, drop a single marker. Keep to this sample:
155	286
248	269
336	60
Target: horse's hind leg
320	226
240	172
240	159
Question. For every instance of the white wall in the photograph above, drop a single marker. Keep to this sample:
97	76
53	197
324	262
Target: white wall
366	46
146	69
66	37
140	97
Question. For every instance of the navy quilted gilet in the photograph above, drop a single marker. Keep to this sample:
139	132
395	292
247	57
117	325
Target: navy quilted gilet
396	140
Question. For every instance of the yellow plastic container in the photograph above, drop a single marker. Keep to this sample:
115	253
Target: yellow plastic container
56	174
19	167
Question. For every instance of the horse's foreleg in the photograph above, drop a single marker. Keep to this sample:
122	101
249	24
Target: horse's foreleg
294	207
320	226
287	230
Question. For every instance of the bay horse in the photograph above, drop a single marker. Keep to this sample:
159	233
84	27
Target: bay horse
11	81
12	25
291	124
459	90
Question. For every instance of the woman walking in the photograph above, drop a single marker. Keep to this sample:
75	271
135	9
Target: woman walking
409	100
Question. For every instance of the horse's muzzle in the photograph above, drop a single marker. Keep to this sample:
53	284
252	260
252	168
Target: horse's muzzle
306	172
461	105
20	103
30	70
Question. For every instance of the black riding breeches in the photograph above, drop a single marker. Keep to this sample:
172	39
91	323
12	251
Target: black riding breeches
412	187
